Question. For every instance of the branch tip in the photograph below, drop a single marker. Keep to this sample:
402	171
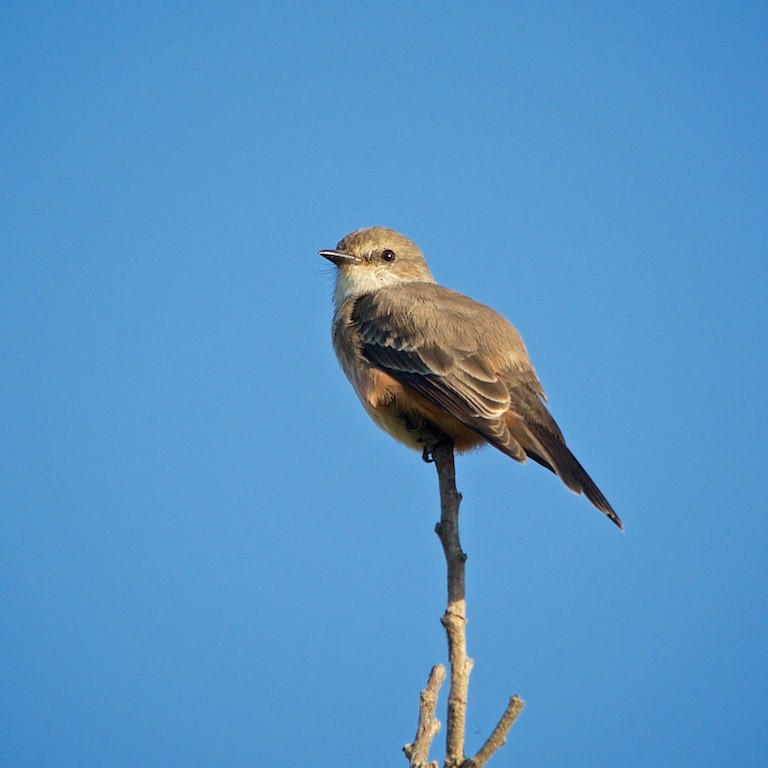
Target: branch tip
417	752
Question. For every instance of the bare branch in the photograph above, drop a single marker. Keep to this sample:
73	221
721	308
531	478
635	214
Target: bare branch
499	736
418	752
448	527
455	618
455	622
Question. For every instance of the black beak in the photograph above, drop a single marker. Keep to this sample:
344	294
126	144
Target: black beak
339	257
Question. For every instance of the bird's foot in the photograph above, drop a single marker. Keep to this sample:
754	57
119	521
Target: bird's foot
432	441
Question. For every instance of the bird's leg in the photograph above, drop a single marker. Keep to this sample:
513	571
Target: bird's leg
413	423
427	434
433	440
417	424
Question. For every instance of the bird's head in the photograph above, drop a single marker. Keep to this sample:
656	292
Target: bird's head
372	258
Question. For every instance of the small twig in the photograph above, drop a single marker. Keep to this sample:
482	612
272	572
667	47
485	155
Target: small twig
418	752
499	736
455	618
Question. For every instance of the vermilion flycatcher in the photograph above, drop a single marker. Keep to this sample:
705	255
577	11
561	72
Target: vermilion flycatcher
428	363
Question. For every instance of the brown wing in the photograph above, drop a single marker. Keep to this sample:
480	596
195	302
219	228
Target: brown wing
471	362
439	343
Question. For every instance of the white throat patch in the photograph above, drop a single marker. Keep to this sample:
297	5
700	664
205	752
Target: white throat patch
356	280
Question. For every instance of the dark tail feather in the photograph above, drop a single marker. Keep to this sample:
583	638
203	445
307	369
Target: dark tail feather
555	456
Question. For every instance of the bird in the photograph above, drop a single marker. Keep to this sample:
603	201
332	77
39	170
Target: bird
430	364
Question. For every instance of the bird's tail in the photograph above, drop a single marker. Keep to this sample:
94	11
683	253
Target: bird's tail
550	450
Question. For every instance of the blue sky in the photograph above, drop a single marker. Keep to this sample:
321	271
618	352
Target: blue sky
208	555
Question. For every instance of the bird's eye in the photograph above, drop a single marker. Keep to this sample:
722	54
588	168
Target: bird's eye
388	255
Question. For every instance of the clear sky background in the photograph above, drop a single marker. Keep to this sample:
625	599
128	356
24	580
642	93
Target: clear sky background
209	556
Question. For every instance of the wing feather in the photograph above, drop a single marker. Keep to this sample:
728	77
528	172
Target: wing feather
468	360
430	339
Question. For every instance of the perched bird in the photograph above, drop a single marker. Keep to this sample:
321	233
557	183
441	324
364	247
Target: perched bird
428	363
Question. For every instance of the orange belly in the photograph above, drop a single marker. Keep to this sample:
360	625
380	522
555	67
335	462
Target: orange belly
407	416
